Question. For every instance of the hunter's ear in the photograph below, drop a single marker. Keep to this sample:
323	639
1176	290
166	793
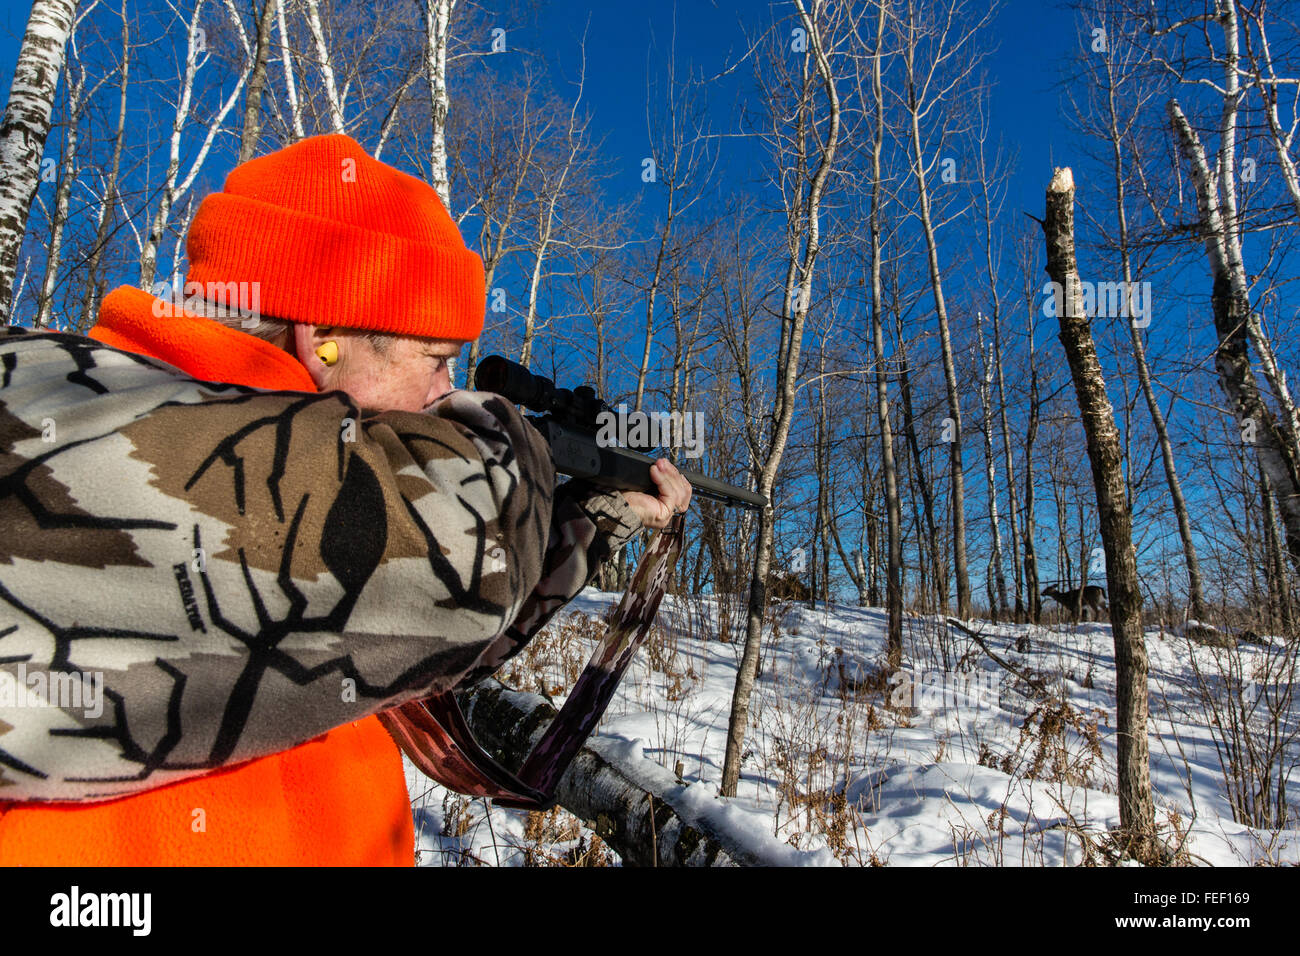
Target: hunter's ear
317	348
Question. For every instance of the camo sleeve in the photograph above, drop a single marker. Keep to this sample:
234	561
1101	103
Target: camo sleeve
193	575
589	524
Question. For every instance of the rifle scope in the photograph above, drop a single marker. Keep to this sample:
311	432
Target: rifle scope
568	421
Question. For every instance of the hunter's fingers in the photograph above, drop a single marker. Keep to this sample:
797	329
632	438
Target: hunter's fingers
674	490
673	495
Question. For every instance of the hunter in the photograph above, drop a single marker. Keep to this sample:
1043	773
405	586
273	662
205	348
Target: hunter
242	575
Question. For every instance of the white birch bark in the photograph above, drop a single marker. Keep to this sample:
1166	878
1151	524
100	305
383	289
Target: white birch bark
290	86
437	19
24	128
325	66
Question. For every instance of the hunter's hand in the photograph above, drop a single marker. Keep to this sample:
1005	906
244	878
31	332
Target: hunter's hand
674	495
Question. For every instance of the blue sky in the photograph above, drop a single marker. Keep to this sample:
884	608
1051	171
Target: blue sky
1033	37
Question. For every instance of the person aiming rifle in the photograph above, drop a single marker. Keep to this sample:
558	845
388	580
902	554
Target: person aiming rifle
221	604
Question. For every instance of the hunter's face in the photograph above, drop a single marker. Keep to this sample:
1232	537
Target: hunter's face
400	373
407	374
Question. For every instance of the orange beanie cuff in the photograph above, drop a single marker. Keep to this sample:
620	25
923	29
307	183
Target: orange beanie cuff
321	232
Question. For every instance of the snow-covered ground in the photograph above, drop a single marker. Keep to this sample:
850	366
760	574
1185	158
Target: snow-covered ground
971	766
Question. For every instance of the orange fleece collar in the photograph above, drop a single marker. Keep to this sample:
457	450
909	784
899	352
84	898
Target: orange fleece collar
134	321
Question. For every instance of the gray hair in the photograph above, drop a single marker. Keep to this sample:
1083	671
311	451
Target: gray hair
265	327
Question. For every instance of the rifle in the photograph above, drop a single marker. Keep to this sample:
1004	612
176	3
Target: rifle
432	731
569	420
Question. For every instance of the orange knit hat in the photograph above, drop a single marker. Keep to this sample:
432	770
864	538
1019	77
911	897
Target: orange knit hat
321	232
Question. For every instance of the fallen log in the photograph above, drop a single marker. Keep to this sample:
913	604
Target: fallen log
636	806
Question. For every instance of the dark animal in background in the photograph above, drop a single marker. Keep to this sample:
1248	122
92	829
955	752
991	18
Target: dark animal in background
786	587
1091	596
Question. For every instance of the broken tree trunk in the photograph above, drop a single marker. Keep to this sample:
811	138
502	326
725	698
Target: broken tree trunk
1136	809
640	819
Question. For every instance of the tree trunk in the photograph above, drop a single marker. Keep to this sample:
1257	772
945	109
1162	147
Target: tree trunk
24	128
106	213
998	585
325	65
290	86
1137	811
1278	587
1231	305
256	82
939	570
1195	591
893	509
1033	586
958	479
62	195
174	188
805	229
437	15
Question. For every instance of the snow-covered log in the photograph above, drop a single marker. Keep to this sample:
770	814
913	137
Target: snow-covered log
635	805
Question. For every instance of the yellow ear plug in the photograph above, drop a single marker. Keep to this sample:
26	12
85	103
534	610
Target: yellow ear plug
328	353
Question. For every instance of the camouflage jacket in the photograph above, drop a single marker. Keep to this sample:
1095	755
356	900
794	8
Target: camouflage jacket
194	575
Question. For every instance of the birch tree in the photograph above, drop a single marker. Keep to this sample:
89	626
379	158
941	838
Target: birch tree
333	99
1273	436
24	128
437	20
889	470
76	94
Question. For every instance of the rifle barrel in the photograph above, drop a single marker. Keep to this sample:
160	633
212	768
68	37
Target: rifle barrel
577	454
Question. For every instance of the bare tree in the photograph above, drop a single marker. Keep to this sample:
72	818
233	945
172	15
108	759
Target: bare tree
495	167
297	130
437	18
680	161
174	187
1113	80
76	95
257	79
24	128
893	509
997	575
558	176
326	66
930	42
109	196
1136	808
812	164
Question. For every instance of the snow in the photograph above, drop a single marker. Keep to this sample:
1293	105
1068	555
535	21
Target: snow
958	772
